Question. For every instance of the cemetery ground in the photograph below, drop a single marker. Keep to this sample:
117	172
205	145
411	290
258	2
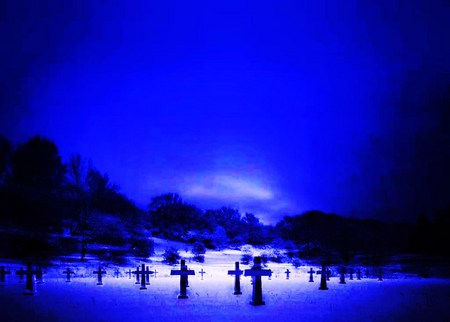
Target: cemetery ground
398	297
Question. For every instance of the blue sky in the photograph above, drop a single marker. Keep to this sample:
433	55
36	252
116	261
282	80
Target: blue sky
273	107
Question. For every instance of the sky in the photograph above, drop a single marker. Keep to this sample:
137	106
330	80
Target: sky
275	108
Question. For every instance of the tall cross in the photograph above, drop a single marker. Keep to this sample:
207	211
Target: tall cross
183	273
237	278
202	272
68	273
100	274
311	272
257	272
323	277
29	284
3	273
288	272
342	272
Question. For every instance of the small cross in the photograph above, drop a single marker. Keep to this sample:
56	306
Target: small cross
68	273
311	272
129	273
202	272
100	274
288	272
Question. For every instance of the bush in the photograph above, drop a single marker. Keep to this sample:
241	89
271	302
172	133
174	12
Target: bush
246	258
296	262
198	249
171	256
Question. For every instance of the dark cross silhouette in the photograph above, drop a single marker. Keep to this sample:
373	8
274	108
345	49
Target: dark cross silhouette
183	273
288	272
202	272
311	272
129	273
3	273
68	273
117	273
21	273
358	274
256	272
29	284
351	271
342	272
237	278
136	272
144	273
154	272
324	272
100	274
380	274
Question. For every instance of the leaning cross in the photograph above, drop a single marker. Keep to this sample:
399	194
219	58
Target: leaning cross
287	273
237	278
100	274
311	272
323	277
68	273
257	272
202	272
184	273
3	273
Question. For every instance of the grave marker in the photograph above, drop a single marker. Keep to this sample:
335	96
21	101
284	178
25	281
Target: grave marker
358	274
324	273
287	273
3	273
117	273
68	273
136	272
202	272
237	278
342	272
100	274
311	276
351	272
21	273
256	272
148	272
29	284
183	273
129	273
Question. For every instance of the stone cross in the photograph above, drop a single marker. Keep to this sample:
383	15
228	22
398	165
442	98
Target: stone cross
144	273
237	278
21	274
100	274
358	274
29	284
202	272
155	272
148	272
136	272
311	272
351	272
129	273
324	272
287	273
3	273
117	273
342	272
257	272
183	273
68	273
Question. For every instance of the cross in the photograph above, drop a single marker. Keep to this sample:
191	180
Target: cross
148	272
144	273
21	274
117	273
3	273
257	272
136	272
237	278
184	273
287	273
324	272
29	284
358	274
351	271
311	272
202	272
129	273
154	272
342	272
68	273
99	273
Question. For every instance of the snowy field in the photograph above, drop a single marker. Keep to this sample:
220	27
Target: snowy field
211	298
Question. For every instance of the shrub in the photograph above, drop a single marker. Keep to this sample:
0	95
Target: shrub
246	258
198	248
171	256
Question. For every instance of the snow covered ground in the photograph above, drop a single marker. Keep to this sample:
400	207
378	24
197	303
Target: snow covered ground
212	299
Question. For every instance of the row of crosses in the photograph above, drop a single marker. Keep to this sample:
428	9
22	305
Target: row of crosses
143	274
